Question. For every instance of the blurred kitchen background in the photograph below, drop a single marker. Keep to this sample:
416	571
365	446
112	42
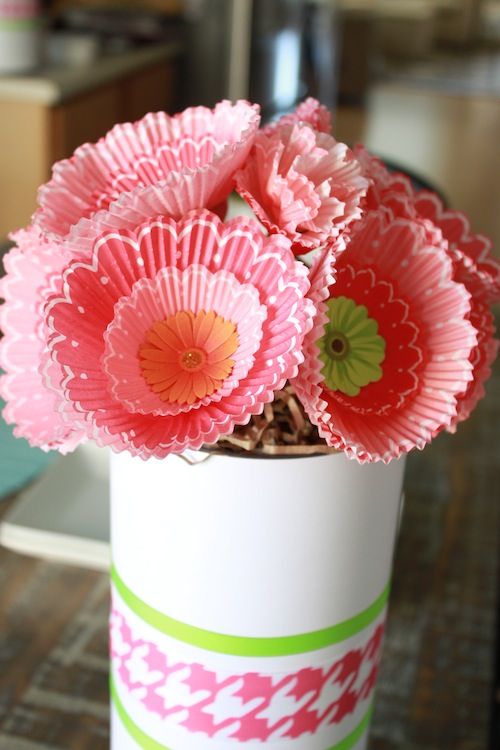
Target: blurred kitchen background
406	76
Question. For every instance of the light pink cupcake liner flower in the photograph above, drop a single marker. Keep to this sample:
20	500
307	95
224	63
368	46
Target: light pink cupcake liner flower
29	404
302	184
394	354
310	111
175	332
195	153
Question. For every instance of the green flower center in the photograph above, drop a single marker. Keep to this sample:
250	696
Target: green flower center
351	348
338	345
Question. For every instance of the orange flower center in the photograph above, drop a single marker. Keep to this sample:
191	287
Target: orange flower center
188	356
192	359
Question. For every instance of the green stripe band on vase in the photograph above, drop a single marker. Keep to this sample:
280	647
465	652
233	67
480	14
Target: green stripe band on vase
247	646
19	24
148	743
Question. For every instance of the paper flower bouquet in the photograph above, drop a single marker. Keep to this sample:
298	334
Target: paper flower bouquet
341	312
136	316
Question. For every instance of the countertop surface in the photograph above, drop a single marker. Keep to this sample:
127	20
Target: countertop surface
53	84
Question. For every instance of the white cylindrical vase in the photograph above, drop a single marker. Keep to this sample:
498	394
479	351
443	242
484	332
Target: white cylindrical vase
20	42
249	599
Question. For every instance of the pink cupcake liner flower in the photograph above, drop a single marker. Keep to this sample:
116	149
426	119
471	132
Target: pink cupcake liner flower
310	111
175	332
303	184
393	357
194	153
29	404
482	357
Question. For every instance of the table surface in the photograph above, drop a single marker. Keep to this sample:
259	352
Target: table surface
436	680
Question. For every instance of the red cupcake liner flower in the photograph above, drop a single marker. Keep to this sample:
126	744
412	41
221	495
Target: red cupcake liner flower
475	267
482	357
474	264
393	357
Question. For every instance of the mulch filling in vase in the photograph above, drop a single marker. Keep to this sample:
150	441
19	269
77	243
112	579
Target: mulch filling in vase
259	380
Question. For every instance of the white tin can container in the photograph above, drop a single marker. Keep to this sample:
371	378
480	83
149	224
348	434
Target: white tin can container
249	599
20	43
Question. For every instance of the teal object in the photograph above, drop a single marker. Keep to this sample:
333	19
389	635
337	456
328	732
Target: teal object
19	462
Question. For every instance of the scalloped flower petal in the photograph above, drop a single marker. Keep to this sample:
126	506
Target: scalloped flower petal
161	269
192	156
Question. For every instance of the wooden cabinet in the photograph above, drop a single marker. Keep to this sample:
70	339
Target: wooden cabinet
81	120
24	150
140	92
33	135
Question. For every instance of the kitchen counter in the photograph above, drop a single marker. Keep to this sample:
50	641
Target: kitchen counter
53	85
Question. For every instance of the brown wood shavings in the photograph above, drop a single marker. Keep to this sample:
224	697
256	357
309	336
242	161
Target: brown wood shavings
283	429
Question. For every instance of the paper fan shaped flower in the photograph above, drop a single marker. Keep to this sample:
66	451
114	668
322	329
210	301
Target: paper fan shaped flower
388	365
193	153
482	357
303	184
174	333
309	111
29	404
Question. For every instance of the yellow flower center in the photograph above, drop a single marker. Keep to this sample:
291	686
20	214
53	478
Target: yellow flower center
192	359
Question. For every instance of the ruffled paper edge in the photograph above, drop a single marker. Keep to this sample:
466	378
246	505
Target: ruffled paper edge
47	219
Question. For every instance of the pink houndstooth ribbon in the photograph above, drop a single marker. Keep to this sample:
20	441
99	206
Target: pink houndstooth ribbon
247	705
19	9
